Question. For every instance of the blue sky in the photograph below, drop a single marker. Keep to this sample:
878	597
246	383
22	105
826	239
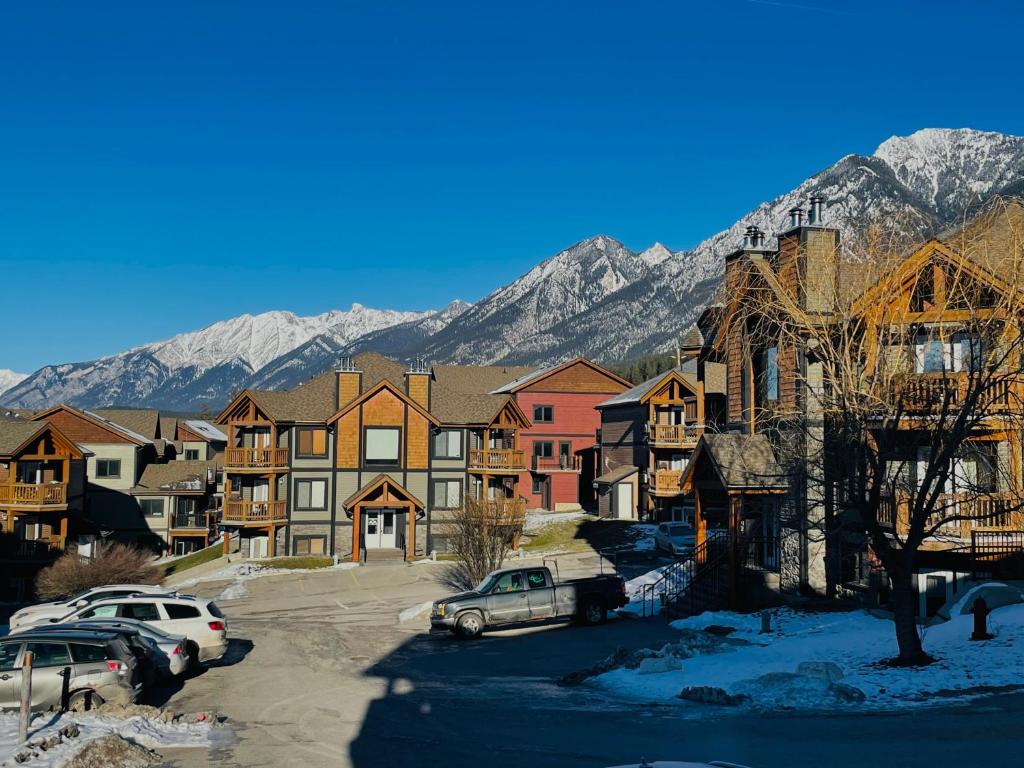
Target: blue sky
166	165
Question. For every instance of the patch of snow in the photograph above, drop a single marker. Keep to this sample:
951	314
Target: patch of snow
635	589
537	519
414	612
245	571
857	641
149	732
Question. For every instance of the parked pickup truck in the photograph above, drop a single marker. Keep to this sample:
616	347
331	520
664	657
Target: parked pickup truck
525	595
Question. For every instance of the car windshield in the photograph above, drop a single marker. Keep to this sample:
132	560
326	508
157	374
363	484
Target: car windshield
681	530
487	584
77	596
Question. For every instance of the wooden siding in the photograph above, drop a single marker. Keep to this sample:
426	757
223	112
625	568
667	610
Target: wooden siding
578	377
82	430
417	442
347	440
418	387
384	409
348	387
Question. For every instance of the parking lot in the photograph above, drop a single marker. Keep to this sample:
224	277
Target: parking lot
323	673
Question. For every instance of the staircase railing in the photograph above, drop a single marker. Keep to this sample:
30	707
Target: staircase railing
692	579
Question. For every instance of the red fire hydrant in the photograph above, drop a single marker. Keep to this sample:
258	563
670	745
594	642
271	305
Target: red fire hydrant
980	611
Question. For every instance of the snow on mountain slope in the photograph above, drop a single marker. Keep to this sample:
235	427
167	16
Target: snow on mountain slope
9	378
194	367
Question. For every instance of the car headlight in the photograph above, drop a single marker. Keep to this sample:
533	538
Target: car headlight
439	609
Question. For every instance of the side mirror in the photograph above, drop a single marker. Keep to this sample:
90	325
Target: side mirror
81	603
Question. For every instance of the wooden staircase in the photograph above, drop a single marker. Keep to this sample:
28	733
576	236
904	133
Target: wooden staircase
390	555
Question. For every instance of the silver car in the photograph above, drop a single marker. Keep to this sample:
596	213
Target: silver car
89	667
675	538
170	652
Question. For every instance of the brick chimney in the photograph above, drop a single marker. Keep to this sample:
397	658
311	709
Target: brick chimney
350	381
417	382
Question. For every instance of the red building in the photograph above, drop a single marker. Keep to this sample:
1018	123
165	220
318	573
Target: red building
561	442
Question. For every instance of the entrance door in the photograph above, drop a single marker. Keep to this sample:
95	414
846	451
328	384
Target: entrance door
258	547
624	501
545	492
380	529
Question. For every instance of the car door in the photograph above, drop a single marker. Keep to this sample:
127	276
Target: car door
51	662
10	676
508	601
540	595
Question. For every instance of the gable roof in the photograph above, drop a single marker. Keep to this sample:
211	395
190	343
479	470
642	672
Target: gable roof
181	476
142	421
205	430
616	475
641	392
382	385
97	420
16	433
478	379
378	482
741	462
535	377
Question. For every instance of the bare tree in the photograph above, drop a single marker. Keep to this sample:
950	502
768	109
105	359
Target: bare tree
112	564
480	535
908	425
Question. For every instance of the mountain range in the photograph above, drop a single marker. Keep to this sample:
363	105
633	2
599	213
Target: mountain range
597	298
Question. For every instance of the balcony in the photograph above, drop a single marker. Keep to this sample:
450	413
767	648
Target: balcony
551	465
923	393
255	459
496	460
242	512
984	512
665	482
31	495
674	435
34	549
196	522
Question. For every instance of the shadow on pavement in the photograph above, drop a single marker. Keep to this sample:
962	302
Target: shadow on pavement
158	695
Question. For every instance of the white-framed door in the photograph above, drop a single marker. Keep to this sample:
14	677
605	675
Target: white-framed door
624	501
381	529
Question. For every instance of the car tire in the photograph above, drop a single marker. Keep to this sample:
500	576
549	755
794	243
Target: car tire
594	612
83	701
470	625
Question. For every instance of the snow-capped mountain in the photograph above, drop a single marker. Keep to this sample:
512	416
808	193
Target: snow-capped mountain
557	289
9	378
196	367
597	298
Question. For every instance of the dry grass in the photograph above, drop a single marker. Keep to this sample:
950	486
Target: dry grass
113	564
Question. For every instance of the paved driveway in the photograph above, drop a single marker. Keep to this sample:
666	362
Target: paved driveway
322	673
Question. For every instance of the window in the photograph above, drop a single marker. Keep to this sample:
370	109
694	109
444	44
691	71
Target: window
8	655
191	454
510	582
48	654
186	506
311	494
382	445
447	494
88	653
448	444
536	579
543	414
543	449
310	545
964	352
109	468
175	611
771	374
538	485
100	612
152	507
140	611
311	442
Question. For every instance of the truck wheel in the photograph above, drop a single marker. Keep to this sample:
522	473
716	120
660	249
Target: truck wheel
470	625
594	612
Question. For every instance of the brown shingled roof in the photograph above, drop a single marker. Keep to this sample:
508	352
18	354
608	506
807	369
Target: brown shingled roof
14	433
141	421
478	379
179	476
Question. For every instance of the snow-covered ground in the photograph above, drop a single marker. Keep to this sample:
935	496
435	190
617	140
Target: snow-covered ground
536	519
149	732
240	573
635	590
856	641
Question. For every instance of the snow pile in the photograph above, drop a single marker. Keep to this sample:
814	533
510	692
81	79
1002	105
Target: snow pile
538	519
637	587
242	572
54	738
772	671
414	612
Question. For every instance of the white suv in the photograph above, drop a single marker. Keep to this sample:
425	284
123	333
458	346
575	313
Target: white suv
36	614
199	620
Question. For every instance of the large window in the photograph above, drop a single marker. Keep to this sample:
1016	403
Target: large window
311	494
543	449
448	444
309	545
382	446
543	414
771	374
961	352
311	442
108	468
152	507
447	494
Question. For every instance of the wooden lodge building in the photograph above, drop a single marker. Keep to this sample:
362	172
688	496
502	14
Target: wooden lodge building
370	460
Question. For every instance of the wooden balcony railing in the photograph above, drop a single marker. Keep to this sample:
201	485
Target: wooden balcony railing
497	459
926	392
979	512
256	458
243	511
193	521
674	435
665	482
557	464
30	549
34	494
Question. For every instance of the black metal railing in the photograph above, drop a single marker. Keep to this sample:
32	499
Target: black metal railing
693	582
997	554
